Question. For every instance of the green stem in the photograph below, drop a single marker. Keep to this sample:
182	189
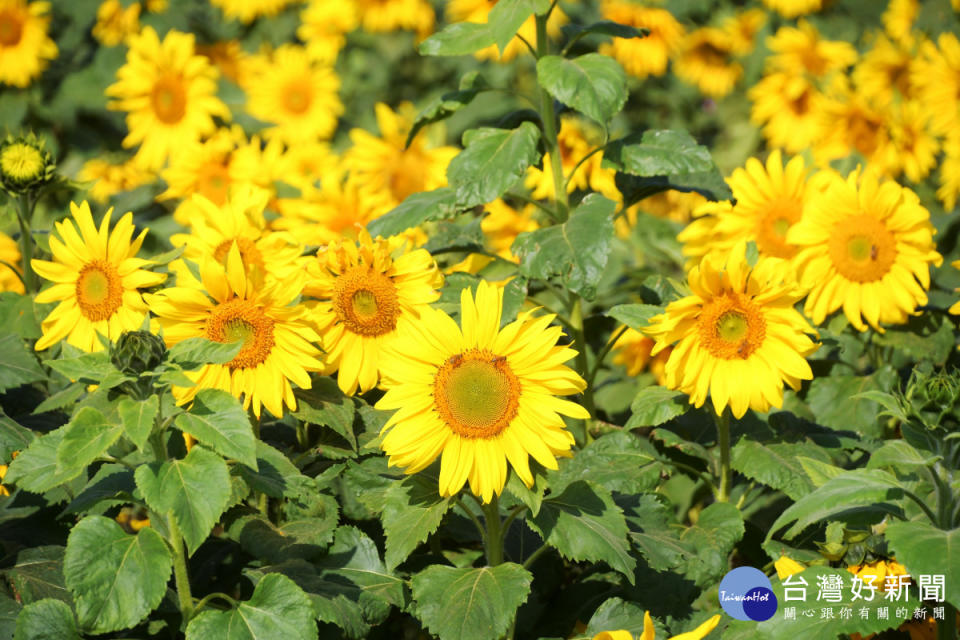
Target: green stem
180	575
24	215
700	474
603	353
580	340
516	511
549	117
494	541
533	557
723	440
474	519
216	595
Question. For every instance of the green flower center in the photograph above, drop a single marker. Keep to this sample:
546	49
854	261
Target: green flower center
476	393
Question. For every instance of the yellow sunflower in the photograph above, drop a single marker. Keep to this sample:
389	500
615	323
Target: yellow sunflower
789	109
388	170
649	631
324	25
114	23
949	187
169	94
229	58
912	149
898	19
25	47
339	209
249	10
111	178
737	336
632	350
478	395
227	305
794	8
10	265
361	293
503	224
705	60
866	246
381	16
883	74
801	49
575	140
769	200
742	29
295	93
641	57
96	277
479	11
936	74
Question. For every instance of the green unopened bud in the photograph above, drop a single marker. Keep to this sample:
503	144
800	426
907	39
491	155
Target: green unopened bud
24	164
137	351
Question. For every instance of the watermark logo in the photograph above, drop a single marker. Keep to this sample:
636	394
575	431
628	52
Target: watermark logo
746	594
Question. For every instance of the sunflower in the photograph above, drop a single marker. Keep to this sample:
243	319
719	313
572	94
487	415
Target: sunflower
898	19
478	394
632	350
229	58
883	74
96	277
949	187
789	109
111	178
769	200
339	209
10	265
295	93
361	293
503	224
228	304
936	74
249	10
114	23
866	247
479	11
801	49
381	16
308	163
169	94
851	123
742	29
324	25
649	632
705	60
25	47
794	8
641	57
389	170
912	149
737	335
575	141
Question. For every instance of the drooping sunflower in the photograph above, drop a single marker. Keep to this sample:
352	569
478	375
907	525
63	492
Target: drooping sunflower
114	23
10	264
169	94
737	336
641	57
295	93
25	47
769	200
706	61
478	395
361	294
227	304
479	11
96	277
649	631
866	246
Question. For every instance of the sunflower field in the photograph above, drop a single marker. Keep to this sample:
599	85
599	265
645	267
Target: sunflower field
479	319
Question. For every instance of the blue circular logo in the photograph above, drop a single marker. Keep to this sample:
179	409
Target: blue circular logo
746	594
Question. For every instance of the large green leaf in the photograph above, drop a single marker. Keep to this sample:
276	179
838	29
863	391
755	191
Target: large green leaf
415	210
619	461
469	604
710	184
116	578
193	353
855	491
653	533
583	523
36	468
836	401
926	550
326	405
444	106
593	84
38	574
275	475
353	568
412	511
13	437
458	39
18	366
277	609
658	153
654	405
218	420
776	465
718	529
617	614
137	418
492	161
87	436
507	16
90	368
635	316
899	454
196	490
576	251
46	620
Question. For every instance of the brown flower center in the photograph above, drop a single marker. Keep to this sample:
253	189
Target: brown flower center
11	28
476	393
731	326
169	99
242	320
99	290
366	301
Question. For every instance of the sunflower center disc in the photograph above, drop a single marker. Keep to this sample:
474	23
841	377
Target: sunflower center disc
364	304
237	320
169	100
862	248
238	329
772	228
11	29
732	326
296	99
366	301
99	293
476	393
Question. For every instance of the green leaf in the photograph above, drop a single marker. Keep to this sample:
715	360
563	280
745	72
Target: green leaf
38	575
926	550
836	401
19	366
17	311
718	529
62	399
46	620
658	153
116	578
615	613
470	604
36	468
218	420
86	437
444	106
193	353
326	405
653	534
618	461
576	251
898	454
492	161
275	475
13	437
604	28
774	465
89	368
112	485
583	523
593	84
458	39
635	316
137	417
412	511
854	491
415	210
507	16
195	489
819	472
277	609
353	567
655	405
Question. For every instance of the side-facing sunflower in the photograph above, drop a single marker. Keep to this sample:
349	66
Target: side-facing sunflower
706	61
228	304
865	246
25	47
737	336
478	395
362	291
641	57
96	277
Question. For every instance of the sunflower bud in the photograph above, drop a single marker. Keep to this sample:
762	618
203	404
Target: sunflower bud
24	164
137	351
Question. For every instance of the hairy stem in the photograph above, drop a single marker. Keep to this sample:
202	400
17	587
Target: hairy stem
494	540
549	117
24	215
723	440
181	577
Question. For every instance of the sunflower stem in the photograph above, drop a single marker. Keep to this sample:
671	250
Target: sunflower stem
494	541
580	341
24	216
549	117
723	440
181	577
